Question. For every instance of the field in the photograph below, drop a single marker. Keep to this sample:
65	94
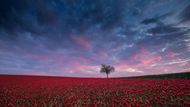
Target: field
38	91
185	75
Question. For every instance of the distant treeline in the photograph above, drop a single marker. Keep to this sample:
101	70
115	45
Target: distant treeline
173	75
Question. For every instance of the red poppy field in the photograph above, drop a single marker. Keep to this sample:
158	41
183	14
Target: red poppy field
36	91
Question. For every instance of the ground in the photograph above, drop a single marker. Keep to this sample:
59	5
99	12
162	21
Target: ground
35	91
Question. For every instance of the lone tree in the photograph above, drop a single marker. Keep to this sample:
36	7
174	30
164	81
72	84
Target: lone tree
107	69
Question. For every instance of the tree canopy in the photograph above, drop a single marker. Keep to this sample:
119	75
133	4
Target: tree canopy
107	69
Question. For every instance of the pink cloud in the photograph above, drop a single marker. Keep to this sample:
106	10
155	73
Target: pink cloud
78	64
81	41
103	54
123	66
171	54
146	58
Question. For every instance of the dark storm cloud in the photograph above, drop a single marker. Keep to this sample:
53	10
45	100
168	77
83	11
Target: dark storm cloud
12	16
151	20
45	15
80	15
158	42
166	34
164	29
185	14
77	14
155	19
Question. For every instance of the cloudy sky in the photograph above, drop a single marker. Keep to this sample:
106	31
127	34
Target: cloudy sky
74	37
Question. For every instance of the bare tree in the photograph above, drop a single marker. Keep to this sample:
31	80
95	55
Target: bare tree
107	69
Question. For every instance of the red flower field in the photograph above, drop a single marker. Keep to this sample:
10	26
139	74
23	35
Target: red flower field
36	91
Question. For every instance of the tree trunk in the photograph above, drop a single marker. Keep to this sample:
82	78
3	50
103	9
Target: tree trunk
107	75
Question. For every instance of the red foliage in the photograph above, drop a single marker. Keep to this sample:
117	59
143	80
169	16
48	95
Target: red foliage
31	91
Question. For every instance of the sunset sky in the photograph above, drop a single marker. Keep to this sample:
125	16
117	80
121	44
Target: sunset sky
74	37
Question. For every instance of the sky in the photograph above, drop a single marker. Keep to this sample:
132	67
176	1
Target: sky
74	37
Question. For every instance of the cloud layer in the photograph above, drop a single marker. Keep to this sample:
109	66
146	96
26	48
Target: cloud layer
74	37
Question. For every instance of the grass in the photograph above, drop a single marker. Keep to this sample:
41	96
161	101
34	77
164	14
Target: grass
185	75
